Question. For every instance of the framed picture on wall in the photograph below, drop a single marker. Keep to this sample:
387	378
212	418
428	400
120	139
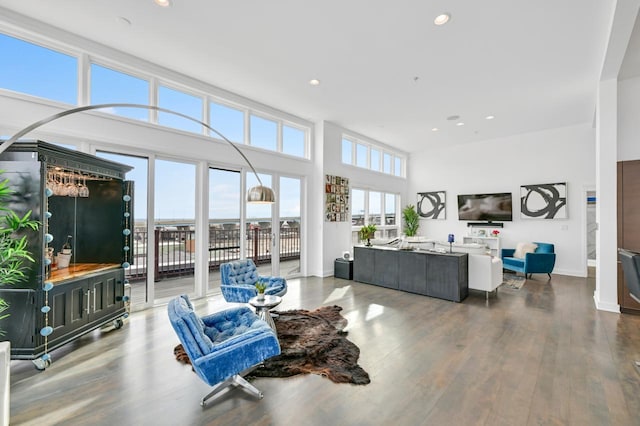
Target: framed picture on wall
544	201
432	205
336	190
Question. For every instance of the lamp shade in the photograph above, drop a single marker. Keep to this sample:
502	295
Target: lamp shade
261	194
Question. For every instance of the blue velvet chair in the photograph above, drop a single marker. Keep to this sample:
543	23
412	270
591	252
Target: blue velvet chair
541	261
239	281
223	346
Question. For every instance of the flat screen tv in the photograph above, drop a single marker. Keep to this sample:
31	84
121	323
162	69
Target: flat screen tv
489	207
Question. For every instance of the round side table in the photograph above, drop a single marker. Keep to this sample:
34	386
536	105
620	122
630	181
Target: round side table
264	306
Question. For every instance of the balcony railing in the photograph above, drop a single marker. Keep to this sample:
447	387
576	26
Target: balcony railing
175	250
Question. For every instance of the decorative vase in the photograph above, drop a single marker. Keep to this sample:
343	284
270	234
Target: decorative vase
260	297
368	244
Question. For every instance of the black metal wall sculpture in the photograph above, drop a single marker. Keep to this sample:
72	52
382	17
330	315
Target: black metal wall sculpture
543	201
431	205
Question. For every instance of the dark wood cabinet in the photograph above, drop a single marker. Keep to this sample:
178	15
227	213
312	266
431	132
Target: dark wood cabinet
628	225
441	275
56	305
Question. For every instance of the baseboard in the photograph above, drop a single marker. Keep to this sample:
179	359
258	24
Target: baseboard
604	306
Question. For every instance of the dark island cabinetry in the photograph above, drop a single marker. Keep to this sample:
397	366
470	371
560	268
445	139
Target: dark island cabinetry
441	275
76	282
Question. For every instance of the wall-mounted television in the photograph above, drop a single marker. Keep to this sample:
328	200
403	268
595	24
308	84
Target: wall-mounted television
489	207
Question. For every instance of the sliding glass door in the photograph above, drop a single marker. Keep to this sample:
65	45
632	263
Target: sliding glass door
137	272
289	231
224	221
174	229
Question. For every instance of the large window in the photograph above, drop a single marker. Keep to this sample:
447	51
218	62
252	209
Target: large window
110	86
374	207
368	156
38	71
180	102
51	74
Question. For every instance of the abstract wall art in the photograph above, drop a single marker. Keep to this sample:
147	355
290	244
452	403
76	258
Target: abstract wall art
432	205
543	201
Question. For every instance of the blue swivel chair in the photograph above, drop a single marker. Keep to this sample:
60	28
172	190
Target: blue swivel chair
541	261
239	281
223	346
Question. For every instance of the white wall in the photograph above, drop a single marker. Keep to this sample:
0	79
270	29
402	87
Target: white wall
502	165
336	236
628	123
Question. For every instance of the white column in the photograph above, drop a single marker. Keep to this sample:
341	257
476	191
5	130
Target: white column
606	293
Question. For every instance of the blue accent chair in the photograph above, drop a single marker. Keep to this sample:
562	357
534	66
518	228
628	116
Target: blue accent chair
223	346
541	261
239	281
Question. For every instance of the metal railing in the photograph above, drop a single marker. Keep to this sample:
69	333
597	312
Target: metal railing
175	249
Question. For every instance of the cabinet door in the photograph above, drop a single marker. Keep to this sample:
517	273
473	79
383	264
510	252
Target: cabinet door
69	309
442	277
385	268
363	265
106	294
413	273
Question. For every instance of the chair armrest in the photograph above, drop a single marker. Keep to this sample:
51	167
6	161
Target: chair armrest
539	262
507	253
275	285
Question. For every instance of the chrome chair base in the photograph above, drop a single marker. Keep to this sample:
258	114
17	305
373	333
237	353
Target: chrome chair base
236	380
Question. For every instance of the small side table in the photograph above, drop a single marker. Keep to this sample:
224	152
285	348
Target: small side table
264	306
343	268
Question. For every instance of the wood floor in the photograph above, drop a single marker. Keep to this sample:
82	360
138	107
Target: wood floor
539	355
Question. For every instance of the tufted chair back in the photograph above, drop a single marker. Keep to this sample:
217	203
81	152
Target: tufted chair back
239	272
238	280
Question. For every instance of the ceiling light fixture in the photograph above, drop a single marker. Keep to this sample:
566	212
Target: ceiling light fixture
435	129
314	82
442	19
490	117
163	3
460	124
258	194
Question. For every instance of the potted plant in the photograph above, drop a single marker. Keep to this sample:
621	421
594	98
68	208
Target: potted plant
366	233
13	249
411	220
261	286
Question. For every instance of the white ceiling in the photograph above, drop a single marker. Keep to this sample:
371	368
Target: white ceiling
386	70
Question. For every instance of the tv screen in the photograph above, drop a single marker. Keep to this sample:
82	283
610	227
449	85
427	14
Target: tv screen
490	207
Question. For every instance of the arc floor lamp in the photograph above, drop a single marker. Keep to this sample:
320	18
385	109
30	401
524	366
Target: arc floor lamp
256	194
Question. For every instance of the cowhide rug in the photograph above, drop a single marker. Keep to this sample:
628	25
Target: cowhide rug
310	342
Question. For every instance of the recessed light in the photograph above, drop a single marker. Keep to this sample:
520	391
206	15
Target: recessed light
314	82
460	124
163	3
435	129
442	19
490	117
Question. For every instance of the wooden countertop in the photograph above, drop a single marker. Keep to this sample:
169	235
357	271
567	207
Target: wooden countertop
78	270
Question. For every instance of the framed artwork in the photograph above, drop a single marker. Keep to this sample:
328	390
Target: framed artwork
336	198
432	205
544	201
